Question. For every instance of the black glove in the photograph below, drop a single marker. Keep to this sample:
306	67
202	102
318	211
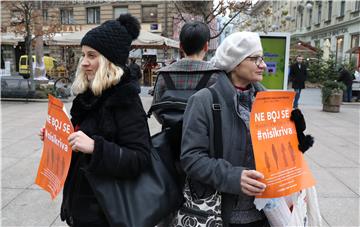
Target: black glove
305	141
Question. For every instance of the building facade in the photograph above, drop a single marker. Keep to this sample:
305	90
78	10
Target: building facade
318	23
71	16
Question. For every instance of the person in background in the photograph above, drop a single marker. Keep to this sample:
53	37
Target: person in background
135	73
111	139
346	78
298	76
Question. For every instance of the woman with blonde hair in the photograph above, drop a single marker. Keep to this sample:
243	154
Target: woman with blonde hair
111	139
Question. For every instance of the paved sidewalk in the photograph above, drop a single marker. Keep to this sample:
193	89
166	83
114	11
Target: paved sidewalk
334	160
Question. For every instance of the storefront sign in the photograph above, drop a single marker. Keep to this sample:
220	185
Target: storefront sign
329	34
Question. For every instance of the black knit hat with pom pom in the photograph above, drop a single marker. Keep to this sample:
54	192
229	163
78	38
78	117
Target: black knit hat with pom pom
113	38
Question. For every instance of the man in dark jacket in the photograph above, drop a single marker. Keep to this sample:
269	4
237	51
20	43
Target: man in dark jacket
346	77
135	73
298	75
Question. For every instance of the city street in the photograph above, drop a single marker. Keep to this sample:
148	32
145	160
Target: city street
334	161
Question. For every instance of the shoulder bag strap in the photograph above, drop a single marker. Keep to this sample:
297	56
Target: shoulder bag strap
204	80
216	110
168	81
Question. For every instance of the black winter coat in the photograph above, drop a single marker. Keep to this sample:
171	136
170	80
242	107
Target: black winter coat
298	76
117	122
346	78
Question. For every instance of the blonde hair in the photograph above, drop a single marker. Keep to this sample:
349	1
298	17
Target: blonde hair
107	74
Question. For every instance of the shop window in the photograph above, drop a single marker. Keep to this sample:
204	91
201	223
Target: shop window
354	43
339	49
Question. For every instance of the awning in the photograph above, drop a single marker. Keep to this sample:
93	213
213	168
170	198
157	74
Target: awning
354	50
145	40
11	39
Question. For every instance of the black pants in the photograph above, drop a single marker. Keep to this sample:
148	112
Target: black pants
262	223
99	223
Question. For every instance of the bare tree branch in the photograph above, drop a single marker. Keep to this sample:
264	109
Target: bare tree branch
225	25
180	13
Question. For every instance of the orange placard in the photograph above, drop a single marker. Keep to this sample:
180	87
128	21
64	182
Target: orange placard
56	156
275	145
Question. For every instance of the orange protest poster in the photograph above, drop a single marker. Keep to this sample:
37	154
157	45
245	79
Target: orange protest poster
275	145
56	155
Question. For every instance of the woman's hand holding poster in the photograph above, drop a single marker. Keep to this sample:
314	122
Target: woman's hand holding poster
56	156
275	145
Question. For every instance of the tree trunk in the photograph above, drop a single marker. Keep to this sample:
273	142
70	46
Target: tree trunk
29	51
39	43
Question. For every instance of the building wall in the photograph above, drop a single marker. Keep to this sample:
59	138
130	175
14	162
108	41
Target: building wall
313	29
164	20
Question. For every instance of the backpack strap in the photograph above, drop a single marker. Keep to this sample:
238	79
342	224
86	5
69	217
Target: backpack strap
168	81
216	110
204	80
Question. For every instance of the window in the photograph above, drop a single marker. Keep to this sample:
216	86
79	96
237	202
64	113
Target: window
119	10
310	17
329	10
93	15
339	49
357	6
66	16
319	13
301	20
16	17
354	43
317	43
342	8
149	14
45	15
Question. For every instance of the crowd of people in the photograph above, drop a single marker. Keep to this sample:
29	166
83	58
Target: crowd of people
112	140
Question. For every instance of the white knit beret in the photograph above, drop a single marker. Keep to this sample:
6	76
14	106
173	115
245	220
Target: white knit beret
235	48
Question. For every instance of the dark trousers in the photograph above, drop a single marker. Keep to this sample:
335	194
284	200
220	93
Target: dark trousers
261	223
297	97
347	96
100	223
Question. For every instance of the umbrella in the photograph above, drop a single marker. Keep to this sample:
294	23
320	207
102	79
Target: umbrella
145	40
326	49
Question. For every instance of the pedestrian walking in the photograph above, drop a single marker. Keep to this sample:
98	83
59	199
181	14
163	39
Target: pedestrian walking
298	76
111	139
135	73
346	78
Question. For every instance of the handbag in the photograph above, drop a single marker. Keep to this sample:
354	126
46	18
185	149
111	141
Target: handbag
144	201
196	210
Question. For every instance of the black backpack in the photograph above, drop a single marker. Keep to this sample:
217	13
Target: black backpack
170	110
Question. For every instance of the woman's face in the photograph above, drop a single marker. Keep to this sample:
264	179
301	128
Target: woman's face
90	62
249	70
